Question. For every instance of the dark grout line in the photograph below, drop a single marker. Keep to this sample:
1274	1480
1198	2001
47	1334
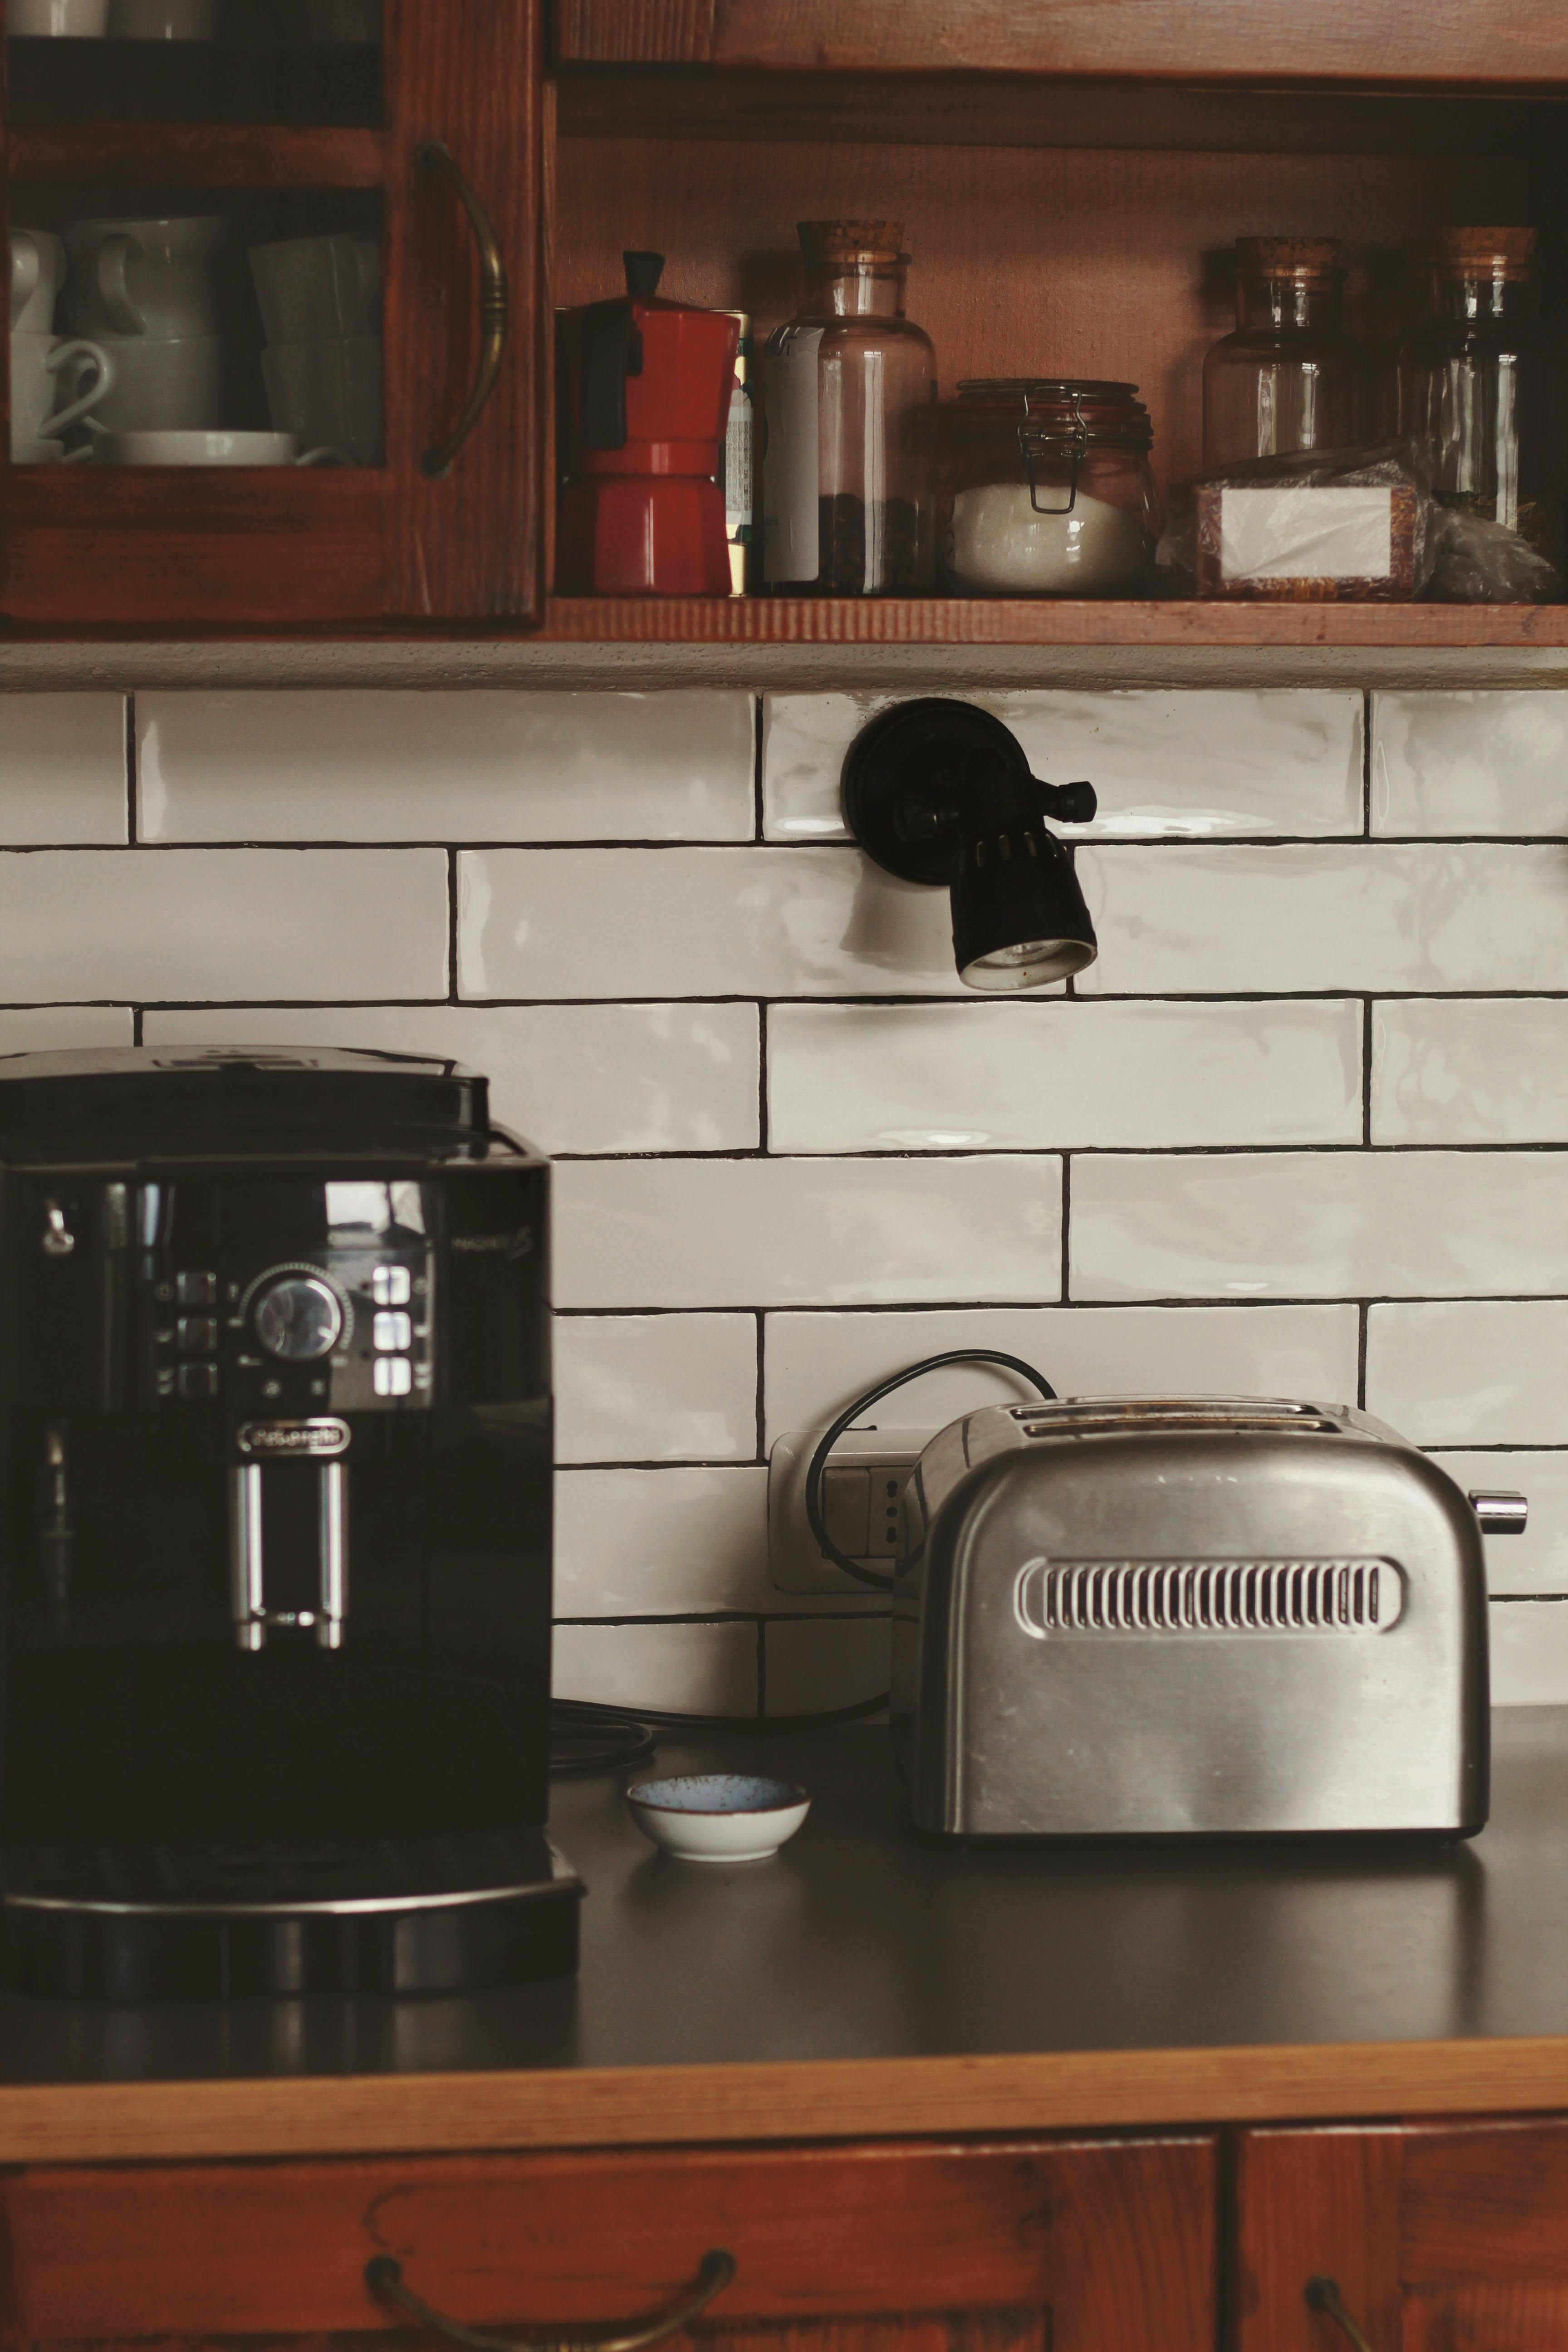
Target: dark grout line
757	767
452	996
1366	766
762	1143
1363	1313
1366	1072
761	1374
132	777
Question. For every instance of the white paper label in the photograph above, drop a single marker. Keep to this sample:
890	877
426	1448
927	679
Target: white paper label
1287	532
737	474
789	455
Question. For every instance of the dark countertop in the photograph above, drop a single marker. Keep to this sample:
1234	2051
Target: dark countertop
862	1942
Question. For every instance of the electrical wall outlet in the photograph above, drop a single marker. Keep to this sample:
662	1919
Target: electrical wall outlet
862	1505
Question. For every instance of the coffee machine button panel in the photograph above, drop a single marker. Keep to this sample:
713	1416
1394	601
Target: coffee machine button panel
394	1376
198	1382
197	1334
394	1333
298	1318
196	1289
391	1285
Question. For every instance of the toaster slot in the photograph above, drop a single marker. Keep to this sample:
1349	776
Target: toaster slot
1192	1596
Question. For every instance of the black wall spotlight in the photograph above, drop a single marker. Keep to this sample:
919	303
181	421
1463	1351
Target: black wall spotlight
941	792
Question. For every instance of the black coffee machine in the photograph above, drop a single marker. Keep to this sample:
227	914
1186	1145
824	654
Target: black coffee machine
275	1584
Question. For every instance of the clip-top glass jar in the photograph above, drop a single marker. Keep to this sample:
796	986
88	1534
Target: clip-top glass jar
1045	488
1473	385
1290	377
847	387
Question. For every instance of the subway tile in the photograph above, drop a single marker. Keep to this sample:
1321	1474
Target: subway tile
1528	1653
779	1232
651	1388
1330	1224
62	769
1038	1076
1181	765
463	765
1470	763
816	1665
817	1364
62	1028
1483	1372
667	1543
1471	1070
1536	1561
697	922
222	923
1382	916
680	1669
570	1078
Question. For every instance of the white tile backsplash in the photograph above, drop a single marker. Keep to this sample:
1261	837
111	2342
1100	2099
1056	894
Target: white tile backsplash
696	922
62	769
1471	1070
483	766
1426	915
794	1154
786	1233
816	1364
1536	1561
1176	766
1338	1224
1030	1076
1470	763
1473	1373
655	1388
149	925
570	1077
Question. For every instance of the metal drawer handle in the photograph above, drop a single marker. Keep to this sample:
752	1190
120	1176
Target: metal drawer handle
1323	2295
436	156
383	2276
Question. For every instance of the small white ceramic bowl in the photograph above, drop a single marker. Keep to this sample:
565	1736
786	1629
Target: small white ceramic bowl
719	1816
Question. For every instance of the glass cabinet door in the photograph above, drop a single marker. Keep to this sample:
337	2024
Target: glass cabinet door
274	270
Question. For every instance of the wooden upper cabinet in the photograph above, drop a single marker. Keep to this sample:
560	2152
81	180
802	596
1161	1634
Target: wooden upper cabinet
1013	2246
1439	2238
1490	42
289	144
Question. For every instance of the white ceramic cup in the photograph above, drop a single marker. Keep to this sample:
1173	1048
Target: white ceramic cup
43	369
70	19
46	453
310	289
175	386
38	273
152	278
163	20
207	449
328	391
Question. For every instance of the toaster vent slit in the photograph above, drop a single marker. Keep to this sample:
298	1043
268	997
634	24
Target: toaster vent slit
1229	1596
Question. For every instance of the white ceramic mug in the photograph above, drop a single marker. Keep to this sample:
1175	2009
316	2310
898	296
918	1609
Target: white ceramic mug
313	288
177	386
39	367
207	449
71	19
163	20
152	278
38	273
328	391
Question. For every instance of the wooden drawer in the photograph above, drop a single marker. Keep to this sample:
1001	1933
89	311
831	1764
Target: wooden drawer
1089	2246
1440	2237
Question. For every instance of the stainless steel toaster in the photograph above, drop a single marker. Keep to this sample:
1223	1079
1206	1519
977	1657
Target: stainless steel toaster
1135	1615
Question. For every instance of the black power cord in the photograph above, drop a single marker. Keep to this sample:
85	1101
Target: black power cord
813	1517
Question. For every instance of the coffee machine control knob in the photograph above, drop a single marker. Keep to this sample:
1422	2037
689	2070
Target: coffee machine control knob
298	1318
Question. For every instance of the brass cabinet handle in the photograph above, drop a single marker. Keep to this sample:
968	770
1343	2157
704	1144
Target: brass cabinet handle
383	2276
436	156
1323	2295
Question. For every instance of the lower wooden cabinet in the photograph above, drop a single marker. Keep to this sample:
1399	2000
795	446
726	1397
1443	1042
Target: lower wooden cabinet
1449	2237
1103	2245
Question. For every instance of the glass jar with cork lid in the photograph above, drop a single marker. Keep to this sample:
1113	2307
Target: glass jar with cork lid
848	390
1290	377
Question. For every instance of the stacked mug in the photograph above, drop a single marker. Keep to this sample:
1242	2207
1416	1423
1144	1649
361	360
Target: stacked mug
43	406
122	20
145	293
321	311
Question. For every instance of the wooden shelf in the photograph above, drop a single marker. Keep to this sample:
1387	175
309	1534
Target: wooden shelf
199	156
982	621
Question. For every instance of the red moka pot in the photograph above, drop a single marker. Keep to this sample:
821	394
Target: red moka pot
645	395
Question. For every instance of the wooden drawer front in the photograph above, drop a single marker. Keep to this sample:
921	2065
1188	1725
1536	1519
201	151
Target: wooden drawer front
1104	2246
1441	2237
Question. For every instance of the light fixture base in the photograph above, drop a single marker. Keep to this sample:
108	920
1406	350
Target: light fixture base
911	781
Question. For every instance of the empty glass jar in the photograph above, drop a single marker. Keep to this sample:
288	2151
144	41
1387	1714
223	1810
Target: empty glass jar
1474	387
1044	489
847	391
1290	377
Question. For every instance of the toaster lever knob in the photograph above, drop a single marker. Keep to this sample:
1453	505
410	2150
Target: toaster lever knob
1500	1513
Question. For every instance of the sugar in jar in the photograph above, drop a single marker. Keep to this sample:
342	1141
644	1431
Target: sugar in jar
1045	488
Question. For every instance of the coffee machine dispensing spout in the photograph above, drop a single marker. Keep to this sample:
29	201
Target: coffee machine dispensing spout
288	1532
